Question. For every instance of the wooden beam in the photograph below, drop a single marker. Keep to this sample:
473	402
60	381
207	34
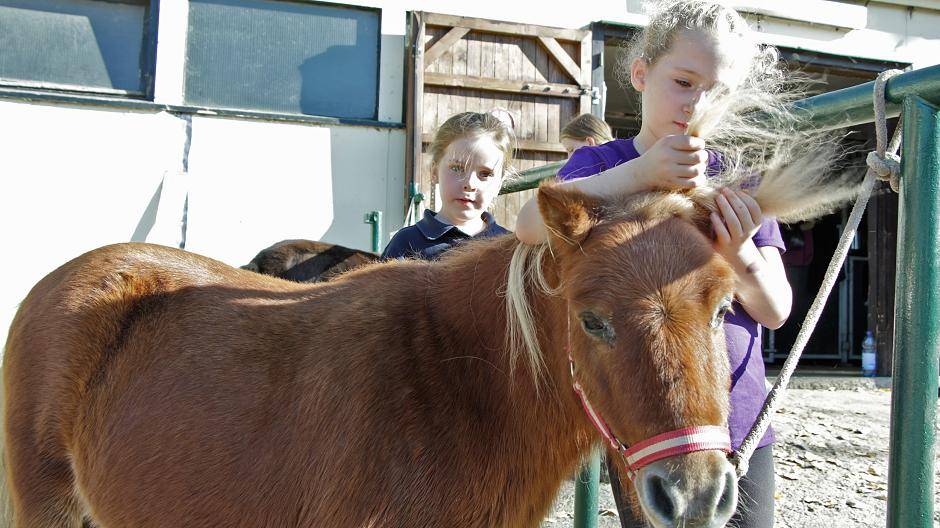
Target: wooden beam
493	85
586	73
443	44
414	104
521	144
561	57
504	28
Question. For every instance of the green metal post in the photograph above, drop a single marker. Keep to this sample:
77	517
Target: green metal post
585	492
416	199
375	218
917	321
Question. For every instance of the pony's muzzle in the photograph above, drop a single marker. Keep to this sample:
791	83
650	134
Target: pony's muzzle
697	490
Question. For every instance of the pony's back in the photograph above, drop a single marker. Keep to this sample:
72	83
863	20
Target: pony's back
133	367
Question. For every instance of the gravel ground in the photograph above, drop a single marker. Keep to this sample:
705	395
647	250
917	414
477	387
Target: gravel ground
831	463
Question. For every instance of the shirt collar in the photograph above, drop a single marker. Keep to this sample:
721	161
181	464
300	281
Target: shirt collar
433	229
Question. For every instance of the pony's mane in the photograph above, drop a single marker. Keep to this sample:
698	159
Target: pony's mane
525	268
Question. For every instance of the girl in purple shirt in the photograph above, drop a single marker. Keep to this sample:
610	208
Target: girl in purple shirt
688	48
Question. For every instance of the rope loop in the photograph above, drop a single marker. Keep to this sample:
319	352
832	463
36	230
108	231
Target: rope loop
884	161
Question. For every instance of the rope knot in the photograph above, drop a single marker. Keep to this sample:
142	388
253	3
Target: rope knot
887	167
740	463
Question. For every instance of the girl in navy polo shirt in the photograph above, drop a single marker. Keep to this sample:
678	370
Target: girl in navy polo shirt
469	156
688	48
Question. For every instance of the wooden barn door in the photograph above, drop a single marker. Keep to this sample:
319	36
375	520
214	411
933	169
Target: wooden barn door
457	64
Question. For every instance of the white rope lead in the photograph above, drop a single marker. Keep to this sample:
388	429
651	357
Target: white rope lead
883	164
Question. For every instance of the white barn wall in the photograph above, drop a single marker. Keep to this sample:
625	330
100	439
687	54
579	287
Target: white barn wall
254	183
73	179
76	178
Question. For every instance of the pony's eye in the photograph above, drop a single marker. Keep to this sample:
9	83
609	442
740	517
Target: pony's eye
596	326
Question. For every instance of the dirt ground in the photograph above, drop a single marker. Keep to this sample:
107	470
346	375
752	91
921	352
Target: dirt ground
831	463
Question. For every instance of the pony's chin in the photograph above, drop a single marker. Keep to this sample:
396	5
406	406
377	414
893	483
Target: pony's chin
698	490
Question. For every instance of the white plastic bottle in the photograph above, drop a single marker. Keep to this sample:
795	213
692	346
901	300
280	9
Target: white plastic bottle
868	355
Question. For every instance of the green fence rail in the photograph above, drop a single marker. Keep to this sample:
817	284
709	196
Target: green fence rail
530	178
916	96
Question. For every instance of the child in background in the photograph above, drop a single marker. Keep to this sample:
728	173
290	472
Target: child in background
584	131
470	155
689	48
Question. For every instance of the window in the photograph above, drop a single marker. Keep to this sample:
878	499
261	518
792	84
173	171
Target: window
78	45
283	57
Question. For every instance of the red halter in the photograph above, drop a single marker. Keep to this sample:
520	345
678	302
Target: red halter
672	443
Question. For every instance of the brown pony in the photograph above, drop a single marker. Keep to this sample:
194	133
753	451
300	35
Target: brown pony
307	260
147	386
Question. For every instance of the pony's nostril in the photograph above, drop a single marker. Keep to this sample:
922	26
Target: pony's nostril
727	501
660	498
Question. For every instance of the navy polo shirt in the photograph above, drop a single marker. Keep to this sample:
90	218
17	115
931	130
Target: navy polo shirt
430	237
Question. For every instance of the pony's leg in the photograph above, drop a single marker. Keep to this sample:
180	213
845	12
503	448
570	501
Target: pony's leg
6	504
42	491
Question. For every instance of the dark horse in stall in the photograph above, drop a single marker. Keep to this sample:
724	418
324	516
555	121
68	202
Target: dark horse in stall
307	260
149	387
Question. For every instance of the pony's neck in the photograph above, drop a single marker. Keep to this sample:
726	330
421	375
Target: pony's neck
467	300
538	416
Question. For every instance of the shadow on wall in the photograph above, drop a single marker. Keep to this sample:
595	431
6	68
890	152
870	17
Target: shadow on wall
367	174
163	218
331	82
332	85
359	174
148	218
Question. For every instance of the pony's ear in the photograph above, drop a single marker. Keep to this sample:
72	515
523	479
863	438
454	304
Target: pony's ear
703	205
568	214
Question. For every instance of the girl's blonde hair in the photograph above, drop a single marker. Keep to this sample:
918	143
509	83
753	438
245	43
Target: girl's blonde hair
587	126
498	124
750	122
669	18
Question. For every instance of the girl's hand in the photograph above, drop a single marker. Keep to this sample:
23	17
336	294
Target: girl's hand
737	220
761	285
673	163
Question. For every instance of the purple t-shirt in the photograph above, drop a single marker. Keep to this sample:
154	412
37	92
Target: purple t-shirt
742	333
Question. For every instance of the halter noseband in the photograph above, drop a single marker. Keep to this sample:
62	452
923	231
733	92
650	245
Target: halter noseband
672	443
